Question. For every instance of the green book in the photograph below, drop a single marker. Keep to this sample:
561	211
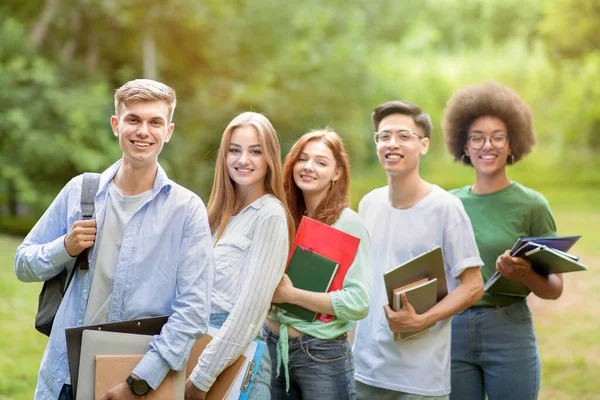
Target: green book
309	271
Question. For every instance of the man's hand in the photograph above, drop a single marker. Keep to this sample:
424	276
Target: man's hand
121	392
192	392
405	320
82	236
283	292
515	268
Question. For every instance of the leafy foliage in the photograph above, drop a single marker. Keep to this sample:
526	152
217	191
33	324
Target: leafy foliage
51	127
307	65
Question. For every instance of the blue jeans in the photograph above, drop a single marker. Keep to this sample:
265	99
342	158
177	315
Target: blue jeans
368	392
261	388
494	353
319	369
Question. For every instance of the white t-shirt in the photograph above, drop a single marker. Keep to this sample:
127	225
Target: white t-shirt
420	365
119	210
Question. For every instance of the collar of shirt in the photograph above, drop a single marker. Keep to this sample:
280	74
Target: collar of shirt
161	181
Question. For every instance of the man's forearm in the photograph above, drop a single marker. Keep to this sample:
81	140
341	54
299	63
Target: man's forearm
466	294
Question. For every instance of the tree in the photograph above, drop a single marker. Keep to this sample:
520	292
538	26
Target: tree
51	129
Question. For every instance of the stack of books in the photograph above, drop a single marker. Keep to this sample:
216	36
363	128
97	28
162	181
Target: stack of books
422	279
548	255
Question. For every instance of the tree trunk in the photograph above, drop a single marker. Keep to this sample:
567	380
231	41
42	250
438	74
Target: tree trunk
40	28
12	199
149	55
91	59
68	51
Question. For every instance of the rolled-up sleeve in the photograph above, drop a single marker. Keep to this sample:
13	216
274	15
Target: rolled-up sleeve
191	307
266	264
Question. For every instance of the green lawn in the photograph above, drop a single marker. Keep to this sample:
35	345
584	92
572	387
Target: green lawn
21	346
567	329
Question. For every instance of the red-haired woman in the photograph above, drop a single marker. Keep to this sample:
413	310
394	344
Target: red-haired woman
313	360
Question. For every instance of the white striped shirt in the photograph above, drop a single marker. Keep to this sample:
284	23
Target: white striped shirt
250	260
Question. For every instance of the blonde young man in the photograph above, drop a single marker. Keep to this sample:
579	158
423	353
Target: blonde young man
153	252
405	219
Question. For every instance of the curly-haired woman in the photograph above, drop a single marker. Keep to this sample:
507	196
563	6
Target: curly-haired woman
494	349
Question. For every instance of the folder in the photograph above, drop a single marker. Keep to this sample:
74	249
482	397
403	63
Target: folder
122	351
226	379
235	382
548	255
331	243
143	326
120	347
247	380
562	243
114	369
310	271
546	260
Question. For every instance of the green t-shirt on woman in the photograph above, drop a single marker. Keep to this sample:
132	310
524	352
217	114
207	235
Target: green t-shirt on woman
499	219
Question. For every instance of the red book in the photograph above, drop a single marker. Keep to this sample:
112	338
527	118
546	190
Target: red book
330	243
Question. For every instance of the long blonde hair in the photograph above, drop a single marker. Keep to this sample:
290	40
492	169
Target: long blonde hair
222	196
336	199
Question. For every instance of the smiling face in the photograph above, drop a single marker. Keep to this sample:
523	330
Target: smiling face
246	164
142	129
490	159
315	169
395	156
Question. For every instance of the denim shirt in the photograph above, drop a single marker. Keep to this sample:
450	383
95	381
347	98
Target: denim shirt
165	267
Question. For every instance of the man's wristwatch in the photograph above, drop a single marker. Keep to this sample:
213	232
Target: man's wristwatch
138	386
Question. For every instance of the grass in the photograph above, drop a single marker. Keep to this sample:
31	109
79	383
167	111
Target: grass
566	328
21	346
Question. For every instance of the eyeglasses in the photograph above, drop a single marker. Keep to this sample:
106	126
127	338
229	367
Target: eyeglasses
477	142
403	136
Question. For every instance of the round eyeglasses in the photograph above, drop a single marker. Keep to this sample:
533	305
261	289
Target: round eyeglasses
477	142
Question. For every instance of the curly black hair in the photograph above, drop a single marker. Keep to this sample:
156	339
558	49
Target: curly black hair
488	99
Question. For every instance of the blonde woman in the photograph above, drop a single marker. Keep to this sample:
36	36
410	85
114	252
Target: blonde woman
313	360
251	229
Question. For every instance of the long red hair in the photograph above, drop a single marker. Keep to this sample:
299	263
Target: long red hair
337	198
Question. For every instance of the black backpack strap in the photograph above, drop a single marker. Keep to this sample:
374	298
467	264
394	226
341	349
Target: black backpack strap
89	188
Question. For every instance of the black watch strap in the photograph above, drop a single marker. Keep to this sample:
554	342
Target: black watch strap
138	386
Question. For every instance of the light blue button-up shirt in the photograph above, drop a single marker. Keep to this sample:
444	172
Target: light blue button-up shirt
165	267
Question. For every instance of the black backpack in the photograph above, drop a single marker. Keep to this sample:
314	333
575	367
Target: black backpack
55	288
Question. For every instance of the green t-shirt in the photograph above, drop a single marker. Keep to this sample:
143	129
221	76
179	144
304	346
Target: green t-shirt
499	219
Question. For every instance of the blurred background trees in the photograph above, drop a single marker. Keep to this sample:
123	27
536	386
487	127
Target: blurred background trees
305	65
